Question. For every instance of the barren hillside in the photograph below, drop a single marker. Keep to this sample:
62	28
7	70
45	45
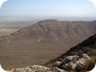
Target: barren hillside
42	41
88	46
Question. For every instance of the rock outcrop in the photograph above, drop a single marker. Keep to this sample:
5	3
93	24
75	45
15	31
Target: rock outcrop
36	68
73	63
80	58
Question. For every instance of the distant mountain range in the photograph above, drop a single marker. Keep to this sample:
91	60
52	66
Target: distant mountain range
43	41
53	30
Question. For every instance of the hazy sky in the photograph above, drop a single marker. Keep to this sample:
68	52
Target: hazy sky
61	8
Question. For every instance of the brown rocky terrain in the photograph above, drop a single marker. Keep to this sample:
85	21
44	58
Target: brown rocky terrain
87	47
80	58
42	41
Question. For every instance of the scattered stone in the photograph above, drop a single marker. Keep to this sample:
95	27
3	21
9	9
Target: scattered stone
57	63
77	63
73	63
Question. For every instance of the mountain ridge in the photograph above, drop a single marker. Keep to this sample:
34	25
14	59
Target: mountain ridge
43	41
53	30
88	46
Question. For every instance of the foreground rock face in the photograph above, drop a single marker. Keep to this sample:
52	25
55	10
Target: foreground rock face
36	68
73	63
80	58
76	63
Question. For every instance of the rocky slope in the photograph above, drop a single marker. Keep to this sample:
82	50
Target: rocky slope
80	58
87	47
36	44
